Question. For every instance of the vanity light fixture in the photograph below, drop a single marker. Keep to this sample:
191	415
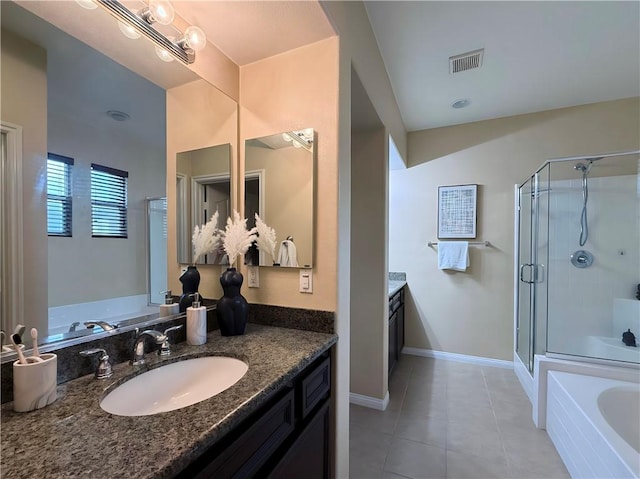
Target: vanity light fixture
159	11
300	138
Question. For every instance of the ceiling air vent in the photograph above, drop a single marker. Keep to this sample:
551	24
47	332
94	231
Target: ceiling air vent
466	61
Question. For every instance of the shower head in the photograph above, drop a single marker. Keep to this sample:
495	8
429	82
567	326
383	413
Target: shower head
585	168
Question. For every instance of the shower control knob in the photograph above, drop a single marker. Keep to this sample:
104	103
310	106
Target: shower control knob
582	259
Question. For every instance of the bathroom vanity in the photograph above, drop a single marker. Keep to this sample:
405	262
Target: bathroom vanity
396	321
274	422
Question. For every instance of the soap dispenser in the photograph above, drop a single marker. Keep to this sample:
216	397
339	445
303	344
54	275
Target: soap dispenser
196	322
169	307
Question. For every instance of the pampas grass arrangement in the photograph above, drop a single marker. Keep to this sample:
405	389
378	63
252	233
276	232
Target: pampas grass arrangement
205	238
237	238
266	237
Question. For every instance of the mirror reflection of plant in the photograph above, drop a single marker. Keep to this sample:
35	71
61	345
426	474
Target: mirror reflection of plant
236	238
205	238
266	237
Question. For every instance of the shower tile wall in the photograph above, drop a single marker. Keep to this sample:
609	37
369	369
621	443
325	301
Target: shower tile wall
581	301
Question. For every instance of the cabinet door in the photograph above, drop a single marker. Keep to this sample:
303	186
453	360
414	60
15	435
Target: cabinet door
393	340
252	449
400	320
308	456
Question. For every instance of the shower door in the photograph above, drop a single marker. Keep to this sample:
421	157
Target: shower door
532	259
156	249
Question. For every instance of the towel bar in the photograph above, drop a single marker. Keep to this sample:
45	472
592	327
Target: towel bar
475	243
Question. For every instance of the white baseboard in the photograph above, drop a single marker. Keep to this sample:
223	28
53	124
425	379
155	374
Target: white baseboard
461	358
368	401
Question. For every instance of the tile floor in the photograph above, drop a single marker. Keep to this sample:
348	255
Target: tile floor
451	420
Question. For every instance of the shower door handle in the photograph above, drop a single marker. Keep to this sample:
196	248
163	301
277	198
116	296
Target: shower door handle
522	266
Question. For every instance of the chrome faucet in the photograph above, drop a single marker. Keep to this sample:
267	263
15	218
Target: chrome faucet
103	324
104	366
165	349
138	345
73	326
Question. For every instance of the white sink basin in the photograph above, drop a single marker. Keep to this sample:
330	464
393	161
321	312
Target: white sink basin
174	386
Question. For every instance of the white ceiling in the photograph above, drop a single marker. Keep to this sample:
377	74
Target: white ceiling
538	56
248	31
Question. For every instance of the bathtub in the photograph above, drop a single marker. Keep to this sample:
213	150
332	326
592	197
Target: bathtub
112	310
611	348
594	424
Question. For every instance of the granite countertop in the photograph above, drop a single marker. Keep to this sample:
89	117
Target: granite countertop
395	286
74	437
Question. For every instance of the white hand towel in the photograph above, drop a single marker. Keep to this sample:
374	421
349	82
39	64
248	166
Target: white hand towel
287	255
453	255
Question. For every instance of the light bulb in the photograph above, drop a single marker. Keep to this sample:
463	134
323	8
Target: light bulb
128	30
164	54
308	133
287	138
88	4
297	144
162	11
195	38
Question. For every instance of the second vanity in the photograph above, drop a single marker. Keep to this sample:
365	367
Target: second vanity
74	437
397	282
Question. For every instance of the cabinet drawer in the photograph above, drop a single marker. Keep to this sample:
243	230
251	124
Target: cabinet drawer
254	447
315	387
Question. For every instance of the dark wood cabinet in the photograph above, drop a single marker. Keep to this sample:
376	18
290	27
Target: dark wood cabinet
396	327
393	341
308	457
287	437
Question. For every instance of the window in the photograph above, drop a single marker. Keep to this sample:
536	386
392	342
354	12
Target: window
59	202
108	202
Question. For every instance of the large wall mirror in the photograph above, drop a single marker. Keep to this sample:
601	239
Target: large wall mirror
92	277
279	187
203	187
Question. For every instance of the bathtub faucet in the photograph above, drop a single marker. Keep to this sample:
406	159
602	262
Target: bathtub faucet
103	324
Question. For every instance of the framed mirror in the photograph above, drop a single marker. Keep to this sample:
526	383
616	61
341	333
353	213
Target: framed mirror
279	187
94	111
203	186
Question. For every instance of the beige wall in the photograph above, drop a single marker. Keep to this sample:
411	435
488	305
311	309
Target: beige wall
472	313
198	116
24	103
295	90
369	297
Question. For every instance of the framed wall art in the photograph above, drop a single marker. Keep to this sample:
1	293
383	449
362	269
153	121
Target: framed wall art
457	214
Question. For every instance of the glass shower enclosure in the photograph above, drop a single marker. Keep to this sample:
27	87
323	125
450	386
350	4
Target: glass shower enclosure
578	258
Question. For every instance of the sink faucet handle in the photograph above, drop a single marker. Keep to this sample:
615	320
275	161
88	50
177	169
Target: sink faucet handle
104	366
165	349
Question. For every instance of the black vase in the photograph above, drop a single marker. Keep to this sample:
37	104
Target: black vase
232	309
190	280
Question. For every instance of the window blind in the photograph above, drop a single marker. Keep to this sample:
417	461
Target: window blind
108	202
59	201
